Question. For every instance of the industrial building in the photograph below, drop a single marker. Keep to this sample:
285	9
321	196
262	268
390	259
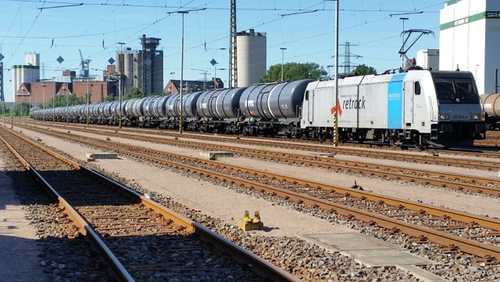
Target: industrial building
173	86
28	87
142	68
40	92
27	73
428	59
251	54
469	40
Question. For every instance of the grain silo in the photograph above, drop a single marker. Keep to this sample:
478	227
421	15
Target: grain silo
251	56
142	68
27	73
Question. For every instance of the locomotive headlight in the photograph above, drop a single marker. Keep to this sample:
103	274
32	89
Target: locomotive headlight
475	117
444	117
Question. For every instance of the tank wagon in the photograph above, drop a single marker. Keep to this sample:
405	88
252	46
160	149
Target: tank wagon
422	107
491	108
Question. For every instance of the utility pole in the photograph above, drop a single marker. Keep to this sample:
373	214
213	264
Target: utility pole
182	72
121	57
282	61
143	64
67	104
336	114
3	112
54	106
181	92
2	98
43	94
88	93
348	55
233	63
403	41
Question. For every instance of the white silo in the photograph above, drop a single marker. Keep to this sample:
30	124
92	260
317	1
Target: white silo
125	65
138	72
251	56
469	38
32	59
26	73
128	68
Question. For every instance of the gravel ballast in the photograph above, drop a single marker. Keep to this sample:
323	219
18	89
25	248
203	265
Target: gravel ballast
219	202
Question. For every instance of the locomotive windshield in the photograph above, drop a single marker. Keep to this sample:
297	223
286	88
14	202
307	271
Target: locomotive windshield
456	90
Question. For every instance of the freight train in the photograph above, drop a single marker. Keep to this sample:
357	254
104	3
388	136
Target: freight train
424	108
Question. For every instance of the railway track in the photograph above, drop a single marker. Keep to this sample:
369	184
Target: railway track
493	139
438	157
140	239
455	231
473	184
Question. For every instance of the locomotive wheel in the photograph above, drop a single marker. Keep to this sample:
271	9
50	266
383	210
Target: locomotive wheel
322	137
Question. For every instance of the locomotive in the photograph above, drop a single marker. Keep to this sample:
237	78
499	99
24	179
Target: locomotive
421	107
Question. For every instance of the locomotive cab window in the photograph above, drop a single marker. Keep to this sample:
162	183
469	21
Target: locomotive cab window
456	90
418	90
307	95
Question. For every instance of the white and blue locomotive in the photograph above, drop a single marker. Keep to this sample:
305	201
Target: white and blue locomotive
421	107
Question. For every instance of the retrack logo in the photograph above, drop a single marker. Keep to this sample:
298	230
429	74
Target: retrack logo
349	104
355	104
334	108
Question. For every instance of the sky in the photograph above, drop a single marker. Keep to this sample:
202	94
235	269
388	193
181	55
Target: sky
306	28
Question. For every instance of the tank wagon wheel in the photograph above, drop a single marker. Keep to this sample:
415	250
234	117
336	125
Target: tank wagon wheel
273	132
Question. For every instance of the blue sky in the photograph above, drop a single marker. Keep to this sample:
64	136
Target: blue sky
305	27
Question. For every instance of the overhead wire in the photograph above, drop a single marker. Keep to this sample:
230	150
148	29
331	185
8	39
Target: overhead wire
203	41
12	23
26	33
323	33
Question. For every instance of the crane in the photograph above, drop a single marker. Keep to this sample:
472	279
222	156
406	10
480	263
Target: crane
84	71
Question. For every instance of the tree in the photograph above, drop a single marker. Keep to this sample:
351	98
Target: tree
134	93
21	109
4	110
294	71
364	70
65	100
110	98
